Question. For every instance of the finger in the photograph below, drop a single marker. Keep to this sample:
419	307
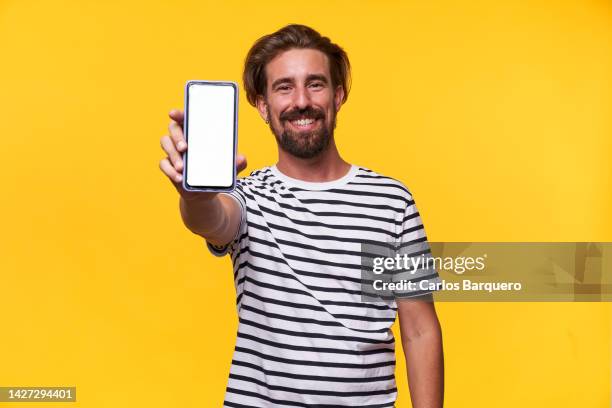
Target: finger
241	163
177	115
167	168
175	157
176	133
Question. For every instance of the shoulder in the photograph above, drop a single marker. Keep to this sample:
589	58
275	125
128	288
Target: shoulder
257	182
381	182
256	177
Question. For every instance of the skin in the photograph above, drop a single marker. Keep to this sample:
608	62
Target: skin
299	79
422	344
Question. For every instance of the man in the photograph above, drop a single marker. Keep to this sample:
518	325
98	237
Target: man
294	231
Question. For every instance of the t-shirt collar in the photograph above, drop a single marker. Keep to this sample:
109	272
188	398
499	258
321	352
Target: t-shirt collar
315	185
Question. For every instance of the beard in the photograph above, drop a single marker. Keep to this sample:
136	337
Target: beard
305	144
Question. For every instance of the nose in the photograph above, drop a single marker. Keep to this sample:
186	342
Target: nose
301	97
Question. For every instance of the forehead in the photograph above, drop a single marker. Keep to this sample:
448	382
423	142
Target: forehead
297	64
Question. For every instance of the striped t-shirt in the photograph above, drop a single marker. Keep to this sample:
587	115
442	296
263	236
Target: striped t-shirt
305	337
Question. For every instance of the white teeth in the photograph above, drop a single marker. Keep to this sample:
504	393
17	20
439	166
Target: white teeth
303	122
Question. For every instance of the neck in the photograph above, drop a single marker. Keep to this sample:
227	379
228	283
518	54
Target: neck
327	166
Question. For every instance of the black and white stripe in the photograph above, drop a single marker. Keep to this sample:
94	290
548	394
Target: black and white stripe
305	337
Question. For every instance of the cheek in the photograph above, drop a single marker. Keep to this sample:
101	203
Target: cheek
278	104
275	114
324	102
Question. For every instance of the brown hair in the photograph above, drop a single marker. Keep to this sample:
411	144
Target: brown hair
288	37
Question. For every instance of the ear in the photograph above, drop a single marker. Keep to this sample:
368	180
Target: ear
338	96
262	107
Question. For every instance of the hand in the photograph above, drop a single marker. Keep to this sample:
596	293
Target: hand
174	146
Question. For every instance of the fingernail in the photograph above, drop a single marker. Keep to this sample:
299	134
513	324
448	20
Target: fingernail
181	145
179	178
179	164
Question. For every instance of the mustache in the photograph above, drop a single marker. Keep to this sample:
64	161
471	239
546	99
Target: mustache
308	112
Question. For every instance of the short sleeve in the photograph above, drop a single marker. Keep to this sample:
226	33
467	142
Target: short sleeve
412	242
221	250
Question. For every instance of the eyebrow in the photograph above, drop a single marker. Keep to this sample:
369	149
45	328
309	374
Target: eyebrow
309	78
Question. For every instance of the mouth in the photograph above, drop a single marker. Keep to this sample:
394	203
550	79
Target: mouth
304	124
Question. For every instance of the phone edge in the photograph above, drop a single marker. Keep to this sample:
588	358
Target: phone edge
232	187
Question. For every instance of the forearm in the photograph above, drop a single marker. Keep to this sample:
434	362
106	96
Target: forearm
425	366
210	218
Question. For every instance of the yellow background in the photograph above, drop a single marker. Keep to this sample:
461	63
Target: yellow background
495	114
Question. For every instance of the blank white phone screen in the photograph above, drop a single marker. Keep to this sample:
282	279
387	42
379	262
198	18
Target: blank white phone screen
210	135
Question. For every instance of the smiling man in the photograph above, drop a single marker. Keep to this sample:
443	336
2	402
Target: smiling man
295	232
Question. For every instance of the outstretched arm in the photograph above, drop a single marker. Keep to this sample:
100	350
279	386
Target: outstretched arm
214	216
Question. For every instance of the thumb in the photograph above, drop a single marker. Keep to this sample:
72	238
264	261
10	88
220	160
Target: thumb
241	163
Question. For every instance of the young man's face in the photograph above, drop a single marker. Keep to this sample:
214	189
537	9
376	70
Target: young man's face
300	101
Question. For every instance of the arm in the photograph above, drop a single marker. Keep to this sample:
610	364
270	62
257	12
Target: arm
422	343
214	216
215	219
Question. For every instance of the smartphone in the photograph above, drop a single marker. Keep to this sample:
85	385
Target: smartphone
211	131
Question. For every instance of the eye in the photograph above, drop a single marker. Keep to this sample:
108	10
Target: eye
316	85
283	88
